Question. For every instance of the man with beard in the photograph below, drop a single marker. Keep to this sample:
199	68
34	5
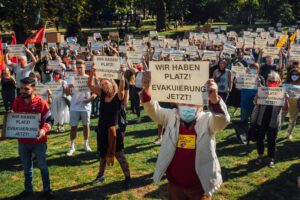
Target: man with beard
30	103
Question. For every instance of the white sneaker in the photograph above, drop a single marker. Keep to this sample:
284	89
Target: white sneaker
87	148
70	152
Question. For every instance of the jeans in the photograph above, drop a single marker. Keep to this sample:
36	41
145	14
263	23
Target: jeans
271	137
25	151
8	97
245	114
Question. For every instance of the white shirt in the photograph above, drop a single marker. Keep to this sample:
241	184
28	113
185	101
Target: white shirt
77	103
22	72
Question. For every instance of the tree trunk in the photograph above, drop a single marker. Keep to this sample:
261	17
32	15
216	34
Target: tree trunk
21	34
160	15
73	29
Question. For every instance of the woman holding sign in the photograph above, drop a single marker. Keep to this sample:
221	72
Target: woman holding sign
187	154
268	119
59	108
109	136
293	82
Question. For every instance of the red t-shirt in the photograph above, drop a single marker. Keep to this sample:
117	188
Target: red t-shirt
181	171
37	105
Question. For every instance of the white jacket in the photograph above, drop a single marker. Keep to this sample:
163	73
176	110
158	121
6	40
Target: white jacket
207	124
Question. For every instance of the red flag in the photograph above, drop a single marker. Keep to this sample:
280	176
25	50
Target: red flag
2	66
14	42
37	37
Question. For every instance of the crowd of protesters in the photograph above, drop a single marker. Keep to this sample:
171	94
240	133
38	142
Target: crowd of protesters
108	100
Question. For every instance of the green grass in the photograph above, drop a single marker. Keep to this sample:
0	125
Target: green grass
71	176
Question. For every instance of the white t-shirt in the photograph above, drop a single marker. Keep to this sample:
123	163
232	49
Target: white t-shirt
22	72
138	80
77	103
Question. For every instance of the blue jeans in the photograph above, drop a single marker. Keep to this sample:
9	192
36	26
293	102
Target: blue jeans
25	151
245	114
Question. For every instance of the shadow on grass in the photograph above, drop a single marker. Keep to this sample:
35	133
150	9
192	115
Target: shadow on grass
11	164
283	187
75	160
139	148
142	133
144	119
160	193
101	190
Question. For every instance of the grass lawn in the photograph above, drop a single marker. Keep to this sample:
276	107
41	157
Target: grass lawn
71	176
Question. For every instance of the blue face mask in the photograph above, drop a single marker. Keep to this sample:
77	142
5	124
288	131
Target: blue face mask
187	113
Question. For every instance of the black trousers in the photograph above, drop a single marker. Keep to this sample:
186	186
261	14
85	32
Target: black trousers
271	137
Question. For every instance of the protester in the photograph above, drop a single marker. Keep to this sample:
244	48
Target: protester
8	85
268	119
22	69
223	78
109	136
80	109
30	103
293	110
59	108
191	165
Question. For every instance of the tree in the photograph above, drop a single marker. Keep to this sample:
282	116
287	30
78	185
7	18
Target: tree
160	15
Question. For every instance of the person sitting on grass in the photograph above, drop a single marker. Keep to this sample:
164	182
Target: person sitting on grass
188	149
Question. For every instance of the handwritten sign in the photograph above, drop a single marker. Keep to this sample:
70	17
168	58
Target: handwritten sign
271	51
107	66
271	96
292	90
22	125
179	82
246	81
16	50
80	84
55	87
238	69
54	65
41	90
135	57
209	55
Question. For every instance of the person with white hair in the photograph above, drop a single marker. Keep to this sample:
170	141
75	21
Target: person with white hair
268	119
22	68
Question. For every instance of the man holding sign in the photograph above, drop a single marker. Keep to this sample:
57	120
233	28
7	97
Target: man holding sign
28	102
22	69
187	154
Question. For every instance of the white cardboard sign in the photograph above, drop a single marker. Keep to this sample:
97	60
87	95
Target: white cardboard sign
107	66
179	81
271	96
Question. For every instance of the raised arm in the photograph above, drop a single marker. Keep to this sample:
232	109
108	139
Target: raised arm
95	88
121	91
33	58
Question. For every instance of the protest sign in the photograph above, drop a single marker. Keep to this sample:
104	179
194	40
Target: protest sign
191	50
107	66
179	82
44	53
271	96
209	55
54	65
246	81
114	36
80	84
260	43
88	65
259	30
135	57
271	51
153	35
42	91
229	49
51	44
16	50
22	125
248	44
238	69
292	90
177	55
71	40
97	36
69	75
55	87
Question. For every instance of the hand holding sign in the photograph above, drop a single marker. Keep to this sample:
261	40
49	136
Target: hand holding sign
41	134
212	91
